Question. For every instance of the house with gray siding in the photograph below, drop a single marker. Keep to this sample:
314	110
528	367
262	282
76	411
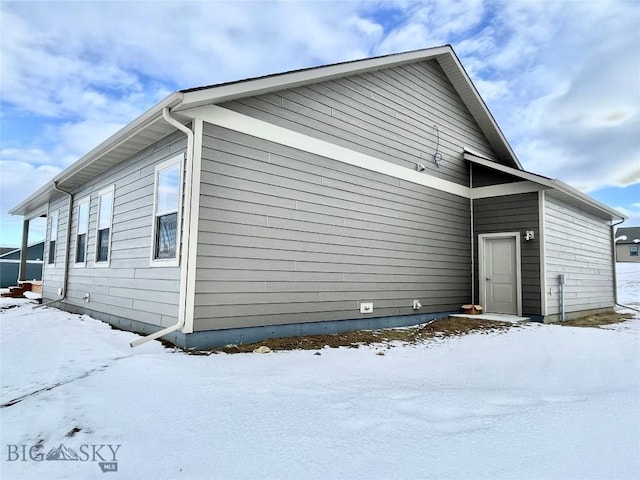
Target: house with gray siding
628	244
364	194
10	264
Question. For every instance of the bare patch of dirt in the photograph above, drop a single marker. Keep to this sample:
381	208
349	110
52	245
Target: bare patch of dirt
598	319
441	328
73	431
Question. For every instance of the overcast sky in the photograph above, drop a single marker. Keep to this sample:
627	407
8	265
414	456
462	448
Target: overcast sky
561	78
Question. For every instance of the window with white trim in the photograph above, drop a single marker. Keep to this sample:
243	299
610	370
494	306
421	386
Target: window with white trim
81	230
53	238
103	229
633	250
166	212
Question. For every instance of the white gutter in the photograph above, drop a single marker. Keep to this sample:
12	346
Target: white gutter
184	256
65	274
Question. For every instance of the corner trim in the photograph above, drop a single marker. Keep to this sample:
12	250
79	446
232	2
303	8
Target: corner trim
543	259
194	217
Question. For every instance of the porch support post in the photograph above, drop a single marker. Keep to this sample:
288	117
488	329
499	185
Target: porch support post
22	275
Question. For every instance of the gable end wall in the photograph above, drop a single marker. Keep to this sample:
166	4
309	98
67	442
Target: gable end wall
389	114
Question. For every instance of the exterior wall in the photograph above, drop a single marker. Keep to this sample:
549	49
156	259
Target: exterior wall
623	253
513	213
389	114
10	265
129	287
9	270
286	237
577	244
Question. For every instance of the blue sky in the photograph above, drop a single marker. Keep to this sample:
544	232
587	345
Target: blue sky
561	78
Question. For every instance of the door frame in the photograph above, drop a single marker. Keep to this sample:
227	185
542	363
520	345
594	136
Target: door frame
482	237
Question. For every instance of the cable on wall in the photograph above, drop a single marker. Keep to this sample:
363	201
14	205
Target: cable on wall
437	156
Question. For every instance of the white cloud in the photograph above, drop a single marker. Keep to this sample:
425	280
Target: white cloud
426	24
74	139
62	61
564	87
18	180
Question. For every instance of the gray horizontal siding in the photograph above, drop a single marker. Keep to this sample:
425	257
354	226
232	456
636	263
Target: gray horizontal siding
389	114
577	244
514	213
286	236
129	287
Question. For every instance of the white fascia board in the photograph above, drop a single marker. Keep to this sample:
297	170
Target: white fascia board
578	195
267	131
258	86
6	260
514	188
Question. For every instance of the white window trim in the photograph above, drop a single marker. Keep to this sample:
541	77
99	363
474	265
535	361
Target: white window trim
81	202
105	263
167	262
50	235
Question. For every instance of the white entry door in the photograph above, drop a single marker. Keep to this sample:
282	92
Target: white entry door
500	273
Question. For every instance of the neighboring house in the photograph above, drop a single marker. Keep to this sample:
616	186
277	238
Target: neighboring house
319	200
627	246
10	264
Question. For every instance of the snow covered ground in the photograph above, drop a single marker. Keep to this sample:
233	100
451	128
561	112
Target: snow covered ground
539	402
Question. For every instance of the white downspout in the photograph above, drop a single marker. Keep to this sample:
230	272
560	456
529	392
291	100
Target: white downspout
562	279
65	273
614	257
182	310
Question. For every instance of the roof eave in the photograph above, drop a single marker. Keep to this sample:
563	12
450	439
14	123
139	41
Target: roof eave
178	101
444	55
120	137
550	183
261	85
